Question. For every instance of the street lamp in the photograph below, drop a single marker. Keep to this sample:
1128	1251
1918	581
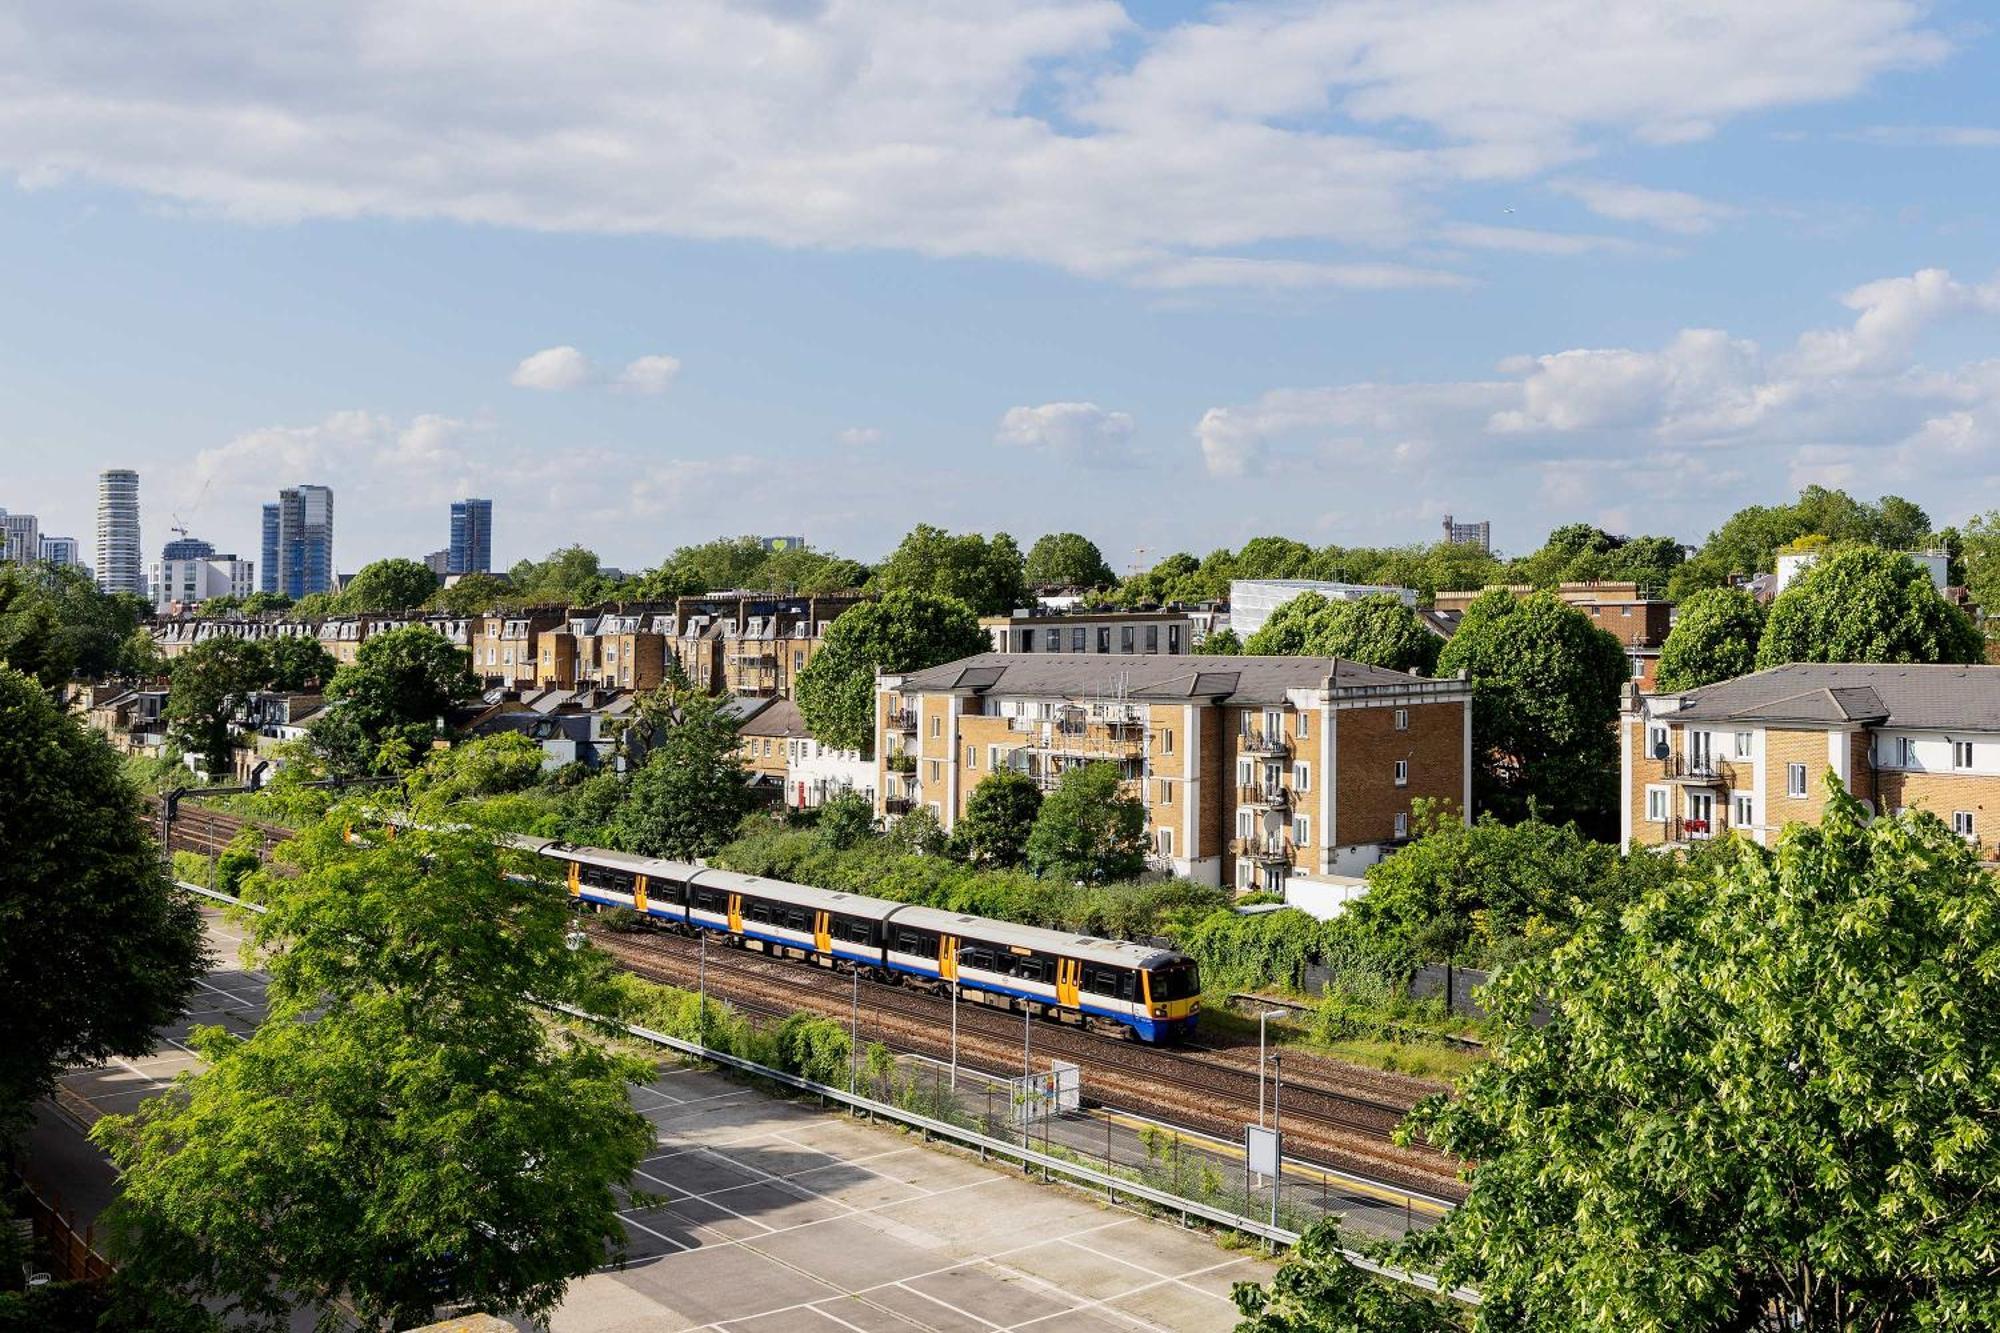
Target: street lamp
701	989
854	1032
1263	1018
1277	1181
956	955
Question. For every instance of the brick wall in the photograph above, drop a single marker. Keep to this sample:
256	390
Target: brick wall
1367	744
1645	773
1781	750
979	731
1215	824
1943	793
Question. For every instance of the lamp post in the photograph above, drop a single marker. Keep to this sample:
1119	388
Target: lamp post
854	1032
1027	1039
701	989
1278	1180
954	1021
1263	1018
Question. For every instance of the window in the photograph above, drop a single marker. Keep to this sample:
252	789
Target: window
1078	642
1743	741
1402	824
937	726
972	756
1125	639
1656	804
1402	719
1638	666
1743	811
1961	754
799	660
1167	740
1301	829
1243	772
1173	638
1302	777
1166	791
1104	638
1305	725
1961	823
1152	638
1795	779
1402	772
1027	641
1655	738
936	774
1166	842
1906	752
1625	611
1055	640
1245	822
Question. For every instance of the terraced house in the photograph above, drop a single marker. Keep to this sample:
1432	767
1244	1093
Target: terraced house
1752	754
1253	770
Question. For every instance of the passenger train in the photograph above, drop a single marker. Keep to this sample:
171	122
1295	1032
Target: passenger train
1152	994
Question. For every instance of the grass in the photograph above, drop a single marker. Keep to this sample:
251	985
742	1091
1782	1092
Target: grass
1405	1038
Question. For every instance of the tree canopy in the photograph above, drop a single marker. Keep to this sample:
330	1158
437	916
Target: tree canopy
984	573
1715	637
1545	685
572	576
398	689
1866	605
405	1130
687	798
1748	541
1066	560
748	563
1088	828
55	625
210	682
472	594
395	584
999	816
902	631
1760	1101
1379	631
97	948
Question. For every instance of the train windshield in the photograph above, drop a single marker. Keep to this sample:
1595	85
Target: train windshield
1175	981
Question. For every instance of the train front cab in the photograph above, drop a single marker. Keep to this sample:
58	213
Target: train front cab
1172	999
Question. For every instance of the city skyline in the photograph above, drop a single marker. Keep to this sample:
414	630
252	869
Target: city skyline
1533	271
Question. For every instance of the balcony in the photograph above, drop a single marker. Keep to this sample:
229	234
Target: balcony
900	761
1270	745
1683	829
1698	770
1264	796
897	805
1271	851
1116	739
901	719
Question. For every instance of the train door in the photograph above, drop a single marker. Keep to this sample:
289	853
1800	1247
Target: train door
639	893
736	914
948	957
575	879
1069	982
823	931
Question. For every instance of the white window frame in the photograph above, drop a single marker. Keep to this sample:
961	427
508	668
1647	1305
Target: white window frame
1657	805
1401	719
937	726
1962	824
1906	752
1743	809
1301	830
1166	740
1302	776
971	755
1402	824
1402	772
1655	738
1166	791
1166	842
1961	755
1246	826
1795	780
1745	742
1304	725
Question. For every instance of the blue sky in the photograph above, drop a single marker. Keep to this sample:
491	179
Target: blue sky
1171	276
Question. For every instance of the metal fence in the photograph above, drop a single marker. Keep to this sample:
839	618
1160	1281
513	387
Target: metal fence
1456	986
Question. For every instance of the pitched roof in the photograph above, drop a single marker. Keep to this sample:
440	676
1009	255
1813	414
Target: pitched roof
1965	698
782	718
1243	680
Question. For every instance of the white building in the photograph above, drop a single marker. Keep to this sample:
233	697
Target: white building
1252	601
20	537
815	773
192	582
64	552
1791	564
120	564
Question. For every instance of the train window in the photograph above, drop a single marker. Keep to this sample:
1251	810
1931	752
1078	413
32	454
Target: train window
1101	981
616	881
906	942
978	959
758	912
1128	985
1029	969
1174	981
798	919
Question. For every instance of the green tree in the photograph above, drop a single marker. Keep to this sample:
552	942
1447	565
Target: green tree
688	797
97	948
1316	1290
846	819
1866	605
297	662
56	625
1979	543
984	574
209	685
406	1129
999	816
1285	634
902	631
472	594
1714	638
1067	560
1748	541
388	585
1761	1101
1545	685
572	576
257	603
1088	828
1220	643
398	688
1379	631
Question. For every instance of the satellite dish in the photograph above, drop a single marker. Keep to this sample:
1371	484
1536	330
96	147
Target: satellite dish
1662	750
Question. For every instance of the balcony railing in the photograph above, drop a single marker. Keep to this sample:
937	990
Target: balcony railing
1271	743
1698	770
1264	851
897	805
1263	796
901	719
900	762
1684	828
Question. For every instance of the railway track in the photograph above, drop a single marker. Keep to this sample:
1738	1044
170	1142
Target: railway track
1344	1128
1325	1125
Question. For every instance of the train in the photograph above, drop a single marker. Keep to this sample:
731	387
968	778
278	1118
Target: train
1147	993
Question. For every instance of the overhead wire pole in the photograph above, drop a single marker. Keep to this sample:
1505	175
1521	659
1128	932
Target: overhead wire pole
854	1032
1262	1018
1278	1178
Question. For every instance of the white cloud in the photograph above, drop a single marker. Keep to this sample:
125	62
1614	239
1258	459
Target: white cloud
1669	210
552	369
1679	427
648	374
859	437
1928	136
1054	131
1082	432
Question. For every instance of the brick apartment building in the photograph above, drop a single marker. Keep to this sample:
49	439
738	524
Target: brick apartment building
1752	754
1253	770
1123	633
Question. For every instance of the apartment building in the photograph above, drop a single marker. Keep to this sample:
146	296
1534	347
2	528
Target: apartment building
174	637
1124	633
749	643
1253	770
767	740
504	645
1752	754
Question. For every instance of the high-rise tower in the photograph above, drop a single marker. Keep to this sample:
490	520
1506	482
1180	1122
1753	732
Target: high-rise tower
120	563
298	542
471	537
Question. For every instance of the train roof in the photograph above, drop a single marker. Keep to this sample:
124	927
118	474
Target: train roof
523	842
1067	943
797	895
604	856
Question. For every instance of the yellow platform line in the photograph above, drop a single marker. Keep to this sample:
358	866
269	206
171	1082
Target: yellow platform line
1224	1148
